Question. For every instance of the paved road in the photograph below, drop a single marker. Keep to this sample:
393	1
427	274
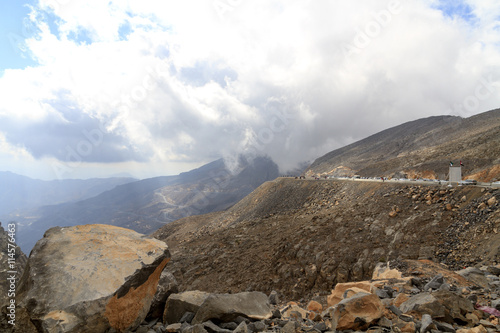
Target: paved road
410	182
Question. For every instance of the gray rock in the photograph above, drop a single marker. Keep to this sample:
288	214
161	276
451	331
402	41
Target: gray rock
475	276
91	278
384	322
444	327
187	317
494	270
178	304
496	304
227	307
435	283
274	298
242	328
424	303
395	310
426	324
456	306
212	328
257	326
381	293
142	329
321	326
166	286
417	282
289	328
194	329
229	326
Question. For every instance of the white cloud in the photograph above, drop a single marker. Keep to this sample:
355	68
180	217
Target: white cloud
191	81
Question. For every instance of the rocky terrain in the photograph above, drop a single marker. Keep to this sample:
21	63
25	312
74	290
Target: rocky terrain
105	279
301	237
422	149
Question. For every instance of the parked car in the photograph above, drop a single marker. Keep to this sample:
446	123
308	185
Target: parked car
469	182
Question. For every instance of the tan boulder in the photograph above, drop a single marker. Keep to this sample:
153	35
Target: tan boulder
340	288
356	312
492	201
290	309
314	306
408	327
91	278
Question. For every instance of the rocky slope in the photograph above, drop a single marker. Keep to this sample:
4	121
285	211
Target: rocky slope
105	279
422	148
301	237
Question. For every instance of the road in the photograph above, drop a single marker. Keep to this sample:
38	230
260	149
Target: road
408	181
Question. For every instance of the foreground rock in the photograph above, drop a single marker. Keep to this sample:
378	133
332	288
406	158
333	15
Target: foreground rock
429	299
227	307
90	278
179	304
357	312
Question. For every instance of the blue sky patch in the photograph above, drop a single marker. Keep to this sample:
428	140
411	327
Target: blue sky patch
456	9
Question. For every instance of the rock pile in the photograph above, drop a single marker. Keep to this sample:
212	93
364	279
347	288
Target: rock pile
387	303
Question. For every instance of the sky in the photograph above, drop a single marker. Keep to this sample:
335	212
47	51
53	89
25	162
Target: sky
101	88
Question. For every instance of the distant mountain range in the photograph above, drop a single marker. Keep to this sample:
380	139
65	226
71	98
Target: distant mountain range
19	193
146	205
422	148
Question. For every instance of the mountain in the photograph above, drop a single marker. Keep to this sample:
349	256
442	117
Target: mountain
422	148
146	205
19	193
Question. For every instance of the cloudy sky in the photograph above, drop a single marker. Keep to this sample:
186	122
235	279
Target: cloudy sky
98	88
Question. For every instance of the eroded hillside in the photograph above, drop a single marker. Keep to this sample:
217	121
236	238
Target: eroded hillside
301	237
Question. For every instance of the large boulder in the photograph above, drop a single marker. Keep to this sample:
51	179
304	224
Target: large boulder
442	305
356	312
475	276
423	303
91	278
179	304
227	307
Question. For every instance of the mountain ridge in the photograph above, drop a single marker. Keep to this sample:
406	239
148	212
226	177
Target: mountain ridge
147	204
420	148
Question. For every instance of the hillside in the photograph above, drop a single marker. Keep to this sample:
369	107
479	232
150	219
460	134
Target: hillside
301	237
422	149
146	205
